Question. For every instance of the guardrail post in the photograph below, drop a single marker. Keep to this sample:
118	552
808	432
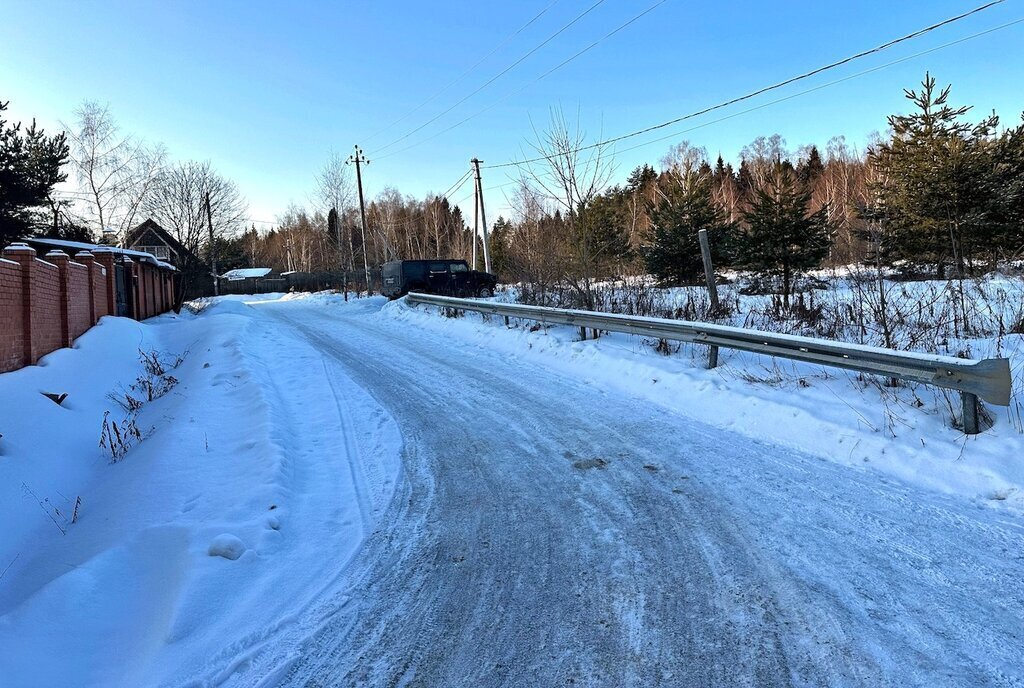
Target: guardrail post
709	275
970	403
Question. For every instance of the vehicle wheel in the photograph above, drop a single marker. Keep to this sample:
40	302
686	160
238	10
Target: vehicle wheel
485	292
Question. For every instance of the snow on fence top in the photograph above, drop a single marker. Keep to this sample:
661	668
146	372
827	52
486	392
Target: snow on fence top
79	246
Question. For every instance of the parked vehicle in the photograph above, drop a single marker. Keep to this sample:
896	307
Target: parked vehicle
443	276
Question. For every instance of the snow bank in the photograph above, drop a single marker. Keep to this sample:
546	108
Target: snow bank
218	528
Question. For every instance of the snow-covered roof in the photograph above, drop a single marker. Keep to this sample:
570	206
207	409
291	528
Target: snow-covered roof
245	273
77	246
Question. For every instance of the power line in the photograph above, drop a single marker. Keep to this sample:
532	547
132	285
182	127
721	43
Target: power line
457	185
84	194
825	85
494	78
766	89
489	188
419	214
465	73
524	87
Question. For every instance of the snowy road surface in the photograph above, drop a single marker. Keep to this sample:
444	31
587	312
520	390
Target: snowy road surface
547	532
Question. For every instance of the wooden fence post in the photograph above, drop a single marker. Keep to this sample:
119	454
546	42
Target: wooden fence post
709	276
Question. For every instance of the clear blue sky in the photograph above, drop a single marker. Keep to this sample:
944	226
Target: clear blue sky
264	90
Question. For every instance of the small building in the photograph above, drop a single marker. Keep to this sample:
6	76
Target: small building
251	281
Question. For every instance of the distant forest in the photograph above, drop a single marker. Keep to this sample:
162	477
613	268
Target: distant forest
939	195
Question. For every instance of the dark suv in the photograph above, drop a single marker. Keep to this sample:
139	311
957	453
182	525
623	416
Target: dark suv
442	276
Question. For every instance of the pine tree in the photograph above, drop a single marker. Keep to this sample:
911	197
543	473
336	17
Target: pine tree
783	238
687	207
30	166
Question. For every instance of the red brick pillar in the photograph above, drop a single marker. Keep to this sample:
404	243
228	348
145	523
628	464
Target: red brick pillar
87	259
60	259
25	256
106	259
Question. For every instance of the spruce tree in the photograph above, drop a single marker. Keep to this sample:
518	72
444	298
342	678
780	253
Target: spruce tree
30	166
936	182
640	178
782	237
687	206
605	221
1008	195
500	241
810	169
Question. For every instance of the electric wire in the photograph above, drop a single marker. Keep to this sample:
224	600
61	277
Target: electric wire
760	91
825	85
525	86
457	185
493	78
462	76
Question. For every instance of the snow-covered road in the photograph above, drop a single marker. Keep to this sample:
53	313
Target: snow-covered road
547	531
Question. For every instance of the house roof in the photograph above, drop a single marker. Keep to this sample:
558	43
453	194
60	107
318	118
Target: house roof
165	236
245	273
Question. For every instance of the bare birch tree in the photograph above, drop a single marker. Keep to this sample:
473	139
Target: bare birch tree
336	189
116	171
572	174
177	202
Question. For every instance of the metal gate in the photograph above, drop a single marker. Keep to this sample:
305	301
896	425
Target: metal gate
123	290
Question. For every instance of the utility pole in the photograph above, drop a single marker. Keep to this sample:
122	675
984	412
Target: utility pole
476	221
357	158
213	248
483	217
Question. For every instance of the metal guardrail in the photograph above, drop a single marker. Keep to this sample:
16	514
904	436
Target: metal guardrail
987	379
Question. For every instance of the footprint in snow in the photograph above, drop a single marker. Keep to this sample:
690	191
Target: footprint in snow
597	462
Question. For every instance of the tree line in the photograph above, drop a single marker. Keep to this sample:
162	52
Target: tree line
121	181
936	194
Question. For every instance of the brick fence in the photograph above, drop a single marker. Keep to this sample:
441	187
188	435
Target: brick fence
46	304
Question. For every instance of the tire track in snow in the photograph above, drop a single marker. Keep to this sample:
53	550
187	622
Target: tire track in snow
414	625
354	453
